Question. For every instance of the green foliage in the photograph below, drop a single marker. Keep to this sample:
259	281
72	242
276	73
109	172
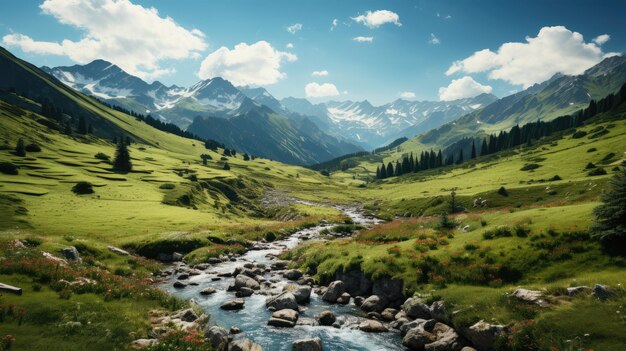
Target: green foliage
597	171
122	162
499	232
530	167
8	168
102	156
502	191
579	134
82	188
20	150
167	186
32	148
610	217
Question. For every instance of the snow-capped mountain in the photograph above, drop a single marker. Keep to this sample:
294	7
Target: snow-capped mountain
364	123
106	81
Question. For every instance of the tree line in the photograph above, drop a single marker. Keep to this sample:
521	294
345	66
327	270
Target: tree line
515	137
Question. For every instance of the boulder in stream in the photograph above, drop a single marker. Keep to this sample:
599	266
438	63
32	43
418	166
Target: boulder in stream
314	344
334	291
285	300
236	304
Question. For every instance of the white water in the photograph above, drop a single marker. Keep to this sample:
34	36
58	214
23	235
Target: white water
252	320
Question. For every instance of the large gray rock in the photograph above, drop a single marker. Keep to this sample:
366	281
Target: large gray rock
314	344
415	308
447	339
372	326
356	283
118	251
71	254
244	292
285	300
302	293
374	303
208	291
344	299
326	317
284	318
439	312
217	337
143	343
390	290
530	296
292	274
577	290
389	314
244	281
417	338
334	290
244	345
236	304
482	334
602	292
188	315
278	265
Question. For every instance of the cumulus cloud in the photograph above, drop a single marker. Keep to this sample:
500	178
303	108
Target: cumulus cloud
257	64
407	95
363	39
289	46
321	90
553	50
322	73
133	37
294	28
378	18
601	39
334	24
462	88
433	39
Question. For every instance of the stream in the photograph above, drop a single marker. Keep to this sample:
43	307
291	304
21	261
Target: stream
252	319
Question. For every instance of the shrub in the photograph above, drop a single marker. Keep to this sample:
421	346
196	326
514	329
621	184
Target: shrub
521	231
32	148
102	156
555	178
32	241
167	186
502	191
530	167
597	172
8	168
226	166
590	165
579	134
445	222
592	149
19	148
325	172
270	236
82	188
497	233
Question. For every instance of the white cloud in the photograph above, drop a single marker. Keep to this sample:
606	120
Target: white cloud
461	88
407	95
601	39
321	90
433	39
133	37
257	64
553	50
363	39
294	28
378	18
322	73
289	46
334	24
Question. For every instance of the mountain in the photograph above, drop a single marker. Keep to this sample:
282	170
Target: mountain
213	109
560	95
360	121
261	131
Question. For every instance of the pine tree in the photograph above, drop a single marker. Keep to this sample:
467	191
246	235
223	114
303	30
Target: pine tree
383	172
398	171
82	125
439	159
389	170
122	161
90	129
377	172
226	166
19	148
610	223
473	155
460	159
484	149
68	129
246	157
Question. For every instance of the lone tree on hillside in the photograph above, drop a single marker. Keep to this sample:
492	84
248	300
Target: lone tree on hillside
226	166
20	150
122	162
610	223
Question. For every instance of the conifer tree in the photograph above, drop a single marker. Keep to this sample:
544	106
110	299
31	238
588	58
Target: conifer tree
484	149
377	172
460	159
20	150
226	166
389	170
383	172
82	125
473	155
610	223
122	161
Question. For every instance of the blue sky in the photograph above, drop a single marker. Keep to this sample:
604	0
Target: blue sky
248	41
